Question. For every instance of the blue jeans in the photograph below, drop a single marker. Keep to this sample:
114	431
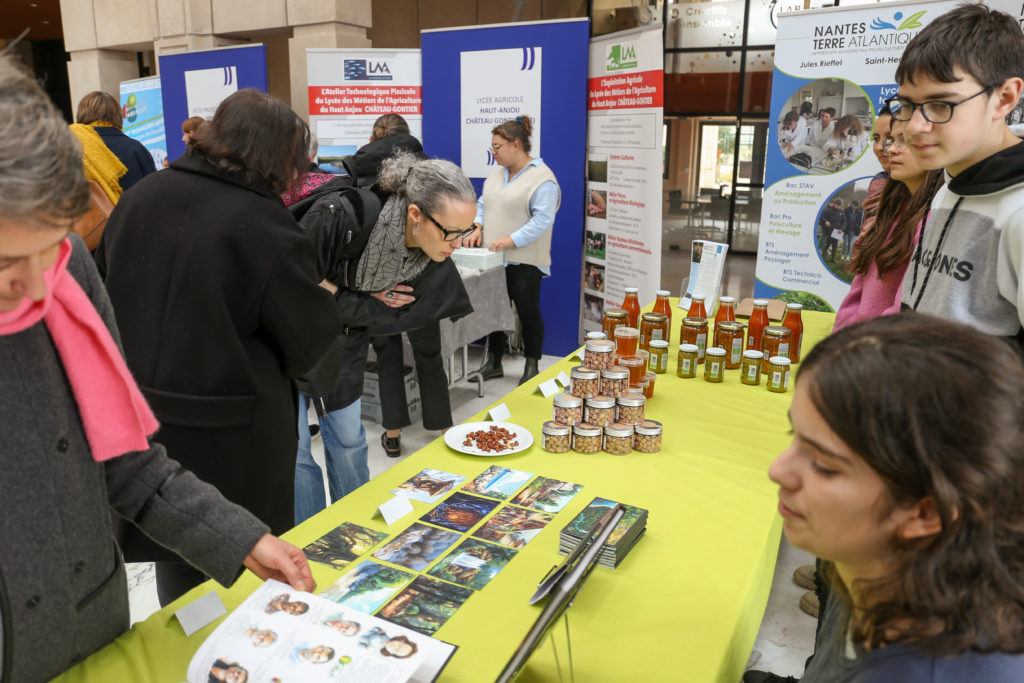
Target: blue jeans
848	238
345	452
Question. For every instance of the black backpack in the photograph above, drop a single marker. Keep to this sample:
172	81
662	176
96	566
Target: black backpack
339	217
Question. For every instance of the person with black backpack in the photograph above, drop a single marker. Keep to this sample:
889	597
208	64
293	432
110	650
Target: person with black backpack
387	248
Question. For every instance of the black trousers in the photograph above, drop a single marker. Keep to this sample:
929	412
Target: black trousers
426	352
523	283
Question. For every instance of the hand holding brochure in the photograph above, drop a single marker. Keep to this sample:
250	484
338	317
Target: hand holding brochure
280	634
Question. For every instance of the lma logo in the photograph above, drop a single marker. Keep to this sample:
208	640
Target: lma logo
367	70
621	56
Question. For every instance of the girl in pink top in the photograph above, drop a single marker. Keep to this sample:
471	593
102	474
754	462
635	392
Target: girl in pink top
880	256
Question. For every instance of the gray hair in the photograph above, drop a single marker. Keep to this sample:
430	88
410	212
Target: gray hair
42	180
314	145
427	183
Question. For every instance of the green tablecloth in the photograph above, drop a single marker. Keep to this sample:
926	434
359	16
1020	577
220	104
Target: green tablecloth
686	604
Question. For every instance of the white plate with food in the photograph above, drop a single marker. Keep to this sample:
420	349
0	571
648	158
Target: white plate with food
488	439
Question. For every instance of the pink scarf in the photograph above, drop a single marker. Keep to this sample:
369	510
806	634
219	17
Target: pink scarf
114	413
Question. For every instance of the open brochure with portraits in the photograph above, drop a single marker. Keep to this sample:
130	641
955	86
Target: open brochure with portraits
286	636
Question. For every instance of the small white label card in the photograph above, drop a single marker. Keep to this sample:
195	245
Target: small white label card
394	509
581	354
201	612
549	388
563	379
500	413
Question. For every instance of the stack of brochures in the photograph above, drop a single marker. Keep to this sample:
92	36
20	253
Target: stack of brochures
625	535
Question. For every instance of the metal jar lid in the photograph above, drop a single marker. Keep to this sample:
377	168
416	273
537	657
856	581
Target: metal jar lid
689	348
731	325
586	429
568	401
654	317
554	429
600	346
781	361
716	351
615	313
751	353
615	372
761	302
695	322
600	402
631	400
596	335
618	429
778	331
648	428
659	344
580	372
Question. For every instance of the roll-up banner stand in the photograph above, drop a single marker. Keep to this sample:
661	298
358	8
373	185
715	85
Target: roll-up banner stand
142	115
195	83
843	59
477	77
350	88
622	245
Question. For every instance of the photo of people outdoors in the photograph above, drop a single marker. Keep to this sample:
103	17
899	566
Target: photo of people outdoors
596	244
825	126
839	225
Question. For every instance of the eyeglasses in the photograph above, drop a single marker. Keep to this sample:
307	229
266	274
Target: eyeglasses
898	143
495	148
933	111
450	235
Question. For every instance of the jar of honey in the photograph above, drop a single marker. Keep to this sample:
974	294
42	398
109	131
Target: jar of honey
612	318
631	304
636	365
695	331
730	338
714	369
697	309
658	360
597	354
615	381
649	377
774	342
750	371
686	362
758	321
778	374
796	326
626	340
653	326
663	305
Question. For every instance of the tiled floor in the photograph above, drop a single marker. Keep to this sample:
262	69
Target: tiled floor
786	635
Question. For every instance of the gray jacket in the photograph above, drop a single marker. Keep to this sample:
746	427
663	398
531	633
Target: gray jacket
63	592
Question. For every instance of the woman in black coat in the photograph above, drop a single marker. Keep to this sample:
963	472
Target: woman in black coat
215	292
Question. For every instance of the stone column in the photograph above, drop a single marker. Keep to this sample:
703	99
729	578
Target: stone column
104	70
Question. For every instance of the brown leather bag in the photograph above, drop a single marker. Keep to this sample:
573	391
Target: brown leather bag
90	226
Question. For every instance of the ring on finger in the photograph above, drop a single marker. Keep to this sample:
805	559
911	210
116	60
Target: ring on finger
390	295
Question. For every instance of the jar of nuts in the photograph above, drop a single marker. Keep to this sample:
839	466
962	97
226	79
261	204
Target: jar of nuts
599	410
568	409
597	353
618	438
648	436
586	438
631	409
615	381
584	382
555	437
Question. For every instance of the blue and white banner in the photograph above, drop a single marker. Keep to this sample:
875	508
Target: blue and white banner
195	83
477	77
839	65
142	114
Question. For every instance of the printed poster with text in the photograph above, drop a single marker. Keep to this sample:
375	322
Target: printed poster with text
841	60
622	240
496	86
142	113
349	89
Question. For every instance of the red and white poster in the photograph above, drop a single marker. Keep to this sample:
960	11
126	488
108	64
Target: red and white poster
622	228
350	88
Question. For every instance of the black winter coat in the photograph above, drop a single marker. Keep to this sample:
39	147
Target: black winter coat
438	290
215	292
364	165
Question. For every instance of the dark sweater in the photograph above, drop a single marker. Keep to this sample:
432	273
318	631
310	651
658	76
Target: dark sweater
132	153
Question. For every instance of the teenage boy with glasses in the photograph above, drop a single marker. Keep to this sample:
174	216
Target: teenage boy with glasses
958	80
